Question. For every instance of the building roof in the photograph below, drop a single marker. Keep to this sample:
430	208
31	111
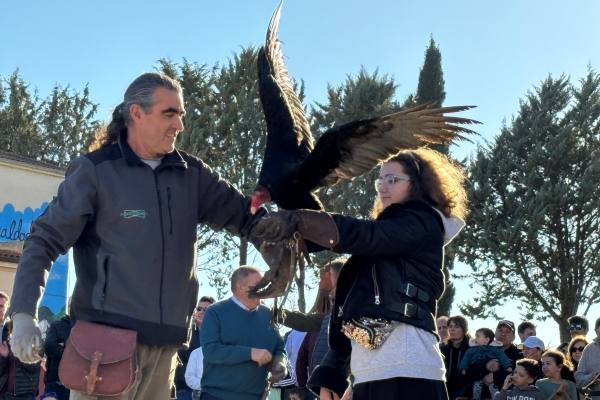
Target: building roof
11	251
19	159
11	256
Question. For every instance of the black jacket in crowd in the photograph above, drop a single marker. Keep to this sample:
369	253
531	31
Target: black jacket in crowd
455	381
17	378
183	356
56	339
395	273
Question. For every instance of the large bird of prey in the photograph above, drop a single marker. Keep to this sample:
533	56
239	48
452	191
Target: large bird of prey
294	167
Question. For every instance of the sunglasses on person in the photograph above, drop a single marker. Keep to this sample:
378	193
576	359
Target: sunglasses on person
390	180
579	349
201	309
576	327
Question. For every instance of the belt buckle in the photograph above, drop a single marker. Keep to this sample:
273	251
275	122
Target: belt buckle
410	290
410	310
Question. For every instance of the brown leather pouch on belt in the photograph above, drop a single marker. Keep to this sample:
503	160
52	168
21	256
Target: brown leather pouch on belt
98	359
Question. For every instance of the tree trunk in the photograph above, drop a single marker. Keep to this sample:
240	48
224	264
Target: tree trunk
243	251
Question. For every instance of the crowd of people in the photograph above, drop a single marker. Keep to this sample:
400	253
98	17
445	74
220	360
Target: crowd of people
130	212
481	369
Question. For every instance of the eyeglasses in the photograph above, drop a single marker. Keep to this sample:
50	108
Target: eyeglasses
201	309
576	327
580	349
390	180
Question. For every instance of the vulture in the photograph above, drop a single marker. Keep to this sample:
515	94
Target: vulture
295	167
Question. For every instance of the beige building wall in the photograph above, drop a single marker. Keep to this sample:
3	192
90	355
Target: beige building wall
27	185
7	276
23	183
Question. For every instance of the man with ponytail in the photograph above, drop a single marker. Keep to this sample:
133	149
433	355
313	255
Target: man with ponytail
129	210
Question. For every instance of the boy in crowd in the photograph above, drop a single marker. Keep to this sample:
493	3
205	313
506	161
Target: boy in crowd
519	385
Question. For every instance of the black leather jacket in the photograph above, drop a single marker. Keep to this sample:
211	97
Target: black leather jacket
395	273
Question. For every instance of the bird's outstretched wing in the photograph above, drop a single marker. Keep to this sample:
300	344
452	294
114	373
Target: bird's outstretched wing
353	149
289	139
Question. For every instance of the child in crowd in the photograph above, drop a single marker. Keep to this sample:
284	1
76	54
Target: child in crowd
483	349
519	385
553	385
297	394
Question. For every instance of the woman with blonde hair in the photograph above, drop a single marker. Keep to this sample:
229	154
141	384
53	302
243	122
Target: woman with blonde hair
382	327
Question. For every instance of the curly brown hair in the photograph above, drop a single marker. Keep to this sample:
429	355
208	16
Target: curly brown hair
434	179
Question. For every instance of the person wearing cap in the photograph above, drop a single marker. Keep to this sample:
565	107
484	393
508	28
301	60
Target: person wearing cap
490	372
533	348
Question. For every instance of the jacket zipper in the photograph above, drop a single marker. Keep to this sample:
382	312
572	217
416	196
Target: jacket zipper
105	267
341	309
375	285
162	239
169	209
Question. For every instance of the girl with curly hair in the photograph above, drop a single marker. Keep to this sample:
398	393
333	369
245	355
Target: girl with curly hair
382	328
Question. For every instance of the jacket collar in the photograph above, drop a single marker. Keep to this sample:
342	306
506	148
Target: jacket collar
173	159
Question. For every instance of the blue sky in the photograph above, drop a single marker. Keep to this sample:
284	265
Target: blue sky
492	52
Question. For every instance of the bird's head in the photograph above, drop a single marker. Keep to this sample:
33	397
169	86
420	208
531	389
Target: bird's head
260	196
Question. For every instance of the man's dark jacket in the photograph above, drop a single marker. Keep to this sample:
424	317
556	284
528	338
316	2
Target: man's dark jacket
403	246
133	231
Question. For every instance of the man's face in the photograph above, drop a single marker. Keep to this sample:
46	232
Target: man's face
577	329
532	352
199	312
504	335
442	327
526	333
243	287
157	129
3	307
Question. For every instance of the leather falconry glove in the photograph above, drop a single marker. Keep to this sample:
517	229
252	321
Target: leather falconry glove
315	226
26	338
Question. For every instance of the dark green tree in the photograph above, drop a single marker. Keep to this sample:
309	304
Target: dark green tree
533	232
55	129
19	132
67	125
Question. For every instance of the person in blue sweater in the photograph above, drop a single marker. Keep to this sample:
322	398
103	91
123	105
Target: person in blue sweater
240	344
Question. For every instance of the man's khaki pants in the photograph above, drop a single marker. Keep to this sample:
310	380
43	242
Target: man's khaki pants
153	378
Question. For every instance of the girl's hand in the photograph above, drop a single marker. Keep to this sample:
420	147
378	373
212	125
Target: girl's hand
326	394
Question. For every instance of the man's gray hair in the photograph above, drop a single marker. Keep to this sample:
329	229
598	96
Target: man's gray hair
242	273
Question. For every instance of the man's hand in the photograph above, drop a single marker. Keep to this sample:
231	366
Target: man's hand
326	394
26	339
492	365
261	356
